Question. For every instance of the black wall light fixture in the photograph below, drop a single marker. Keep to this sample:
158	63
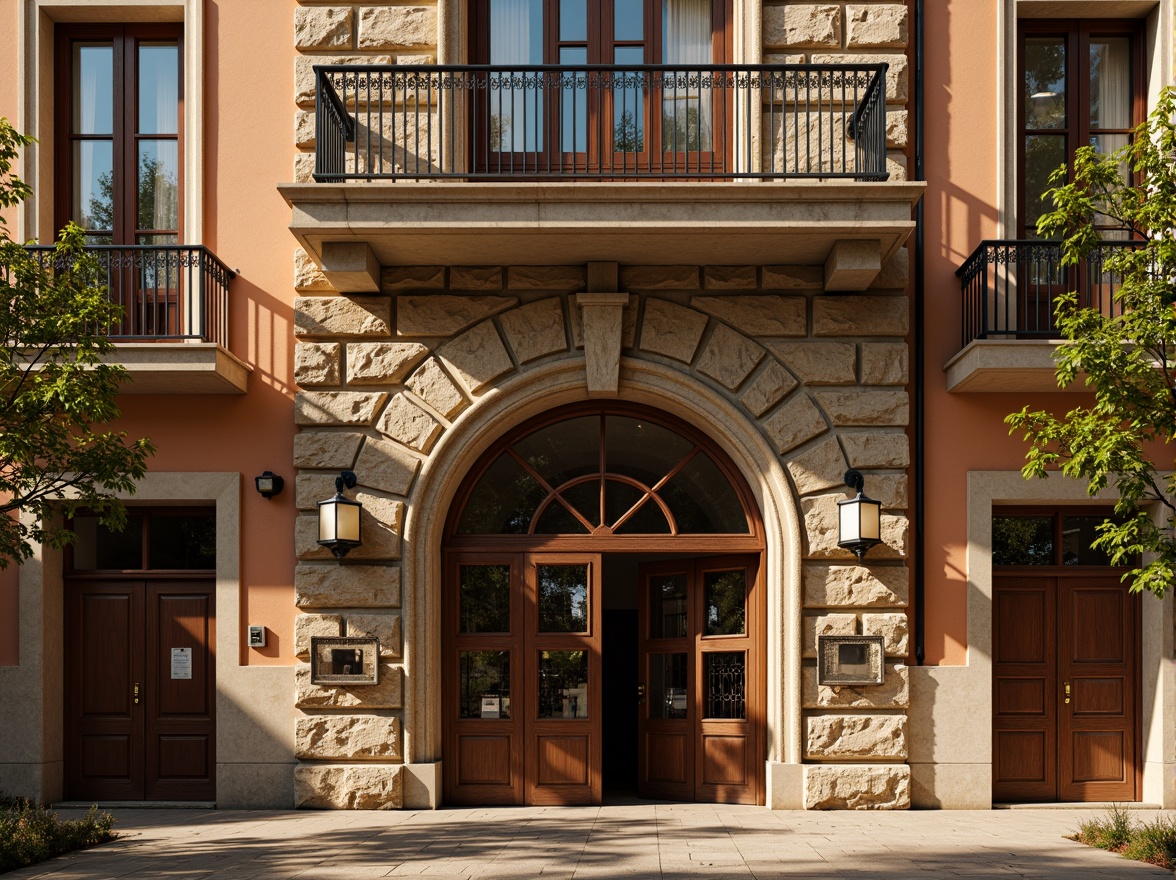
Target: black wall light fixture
269	484
339	519
860	518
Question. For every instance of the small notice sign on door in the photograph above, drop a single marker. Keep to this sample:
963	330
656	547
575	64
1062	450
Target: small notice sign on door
181	665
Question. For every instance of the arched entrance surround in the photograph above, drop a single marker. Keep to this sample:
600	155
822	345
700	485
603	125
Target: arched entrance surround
525	395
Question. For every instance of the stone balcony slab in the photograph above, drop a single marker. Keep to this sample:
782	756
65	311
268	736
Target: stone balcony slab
1004	365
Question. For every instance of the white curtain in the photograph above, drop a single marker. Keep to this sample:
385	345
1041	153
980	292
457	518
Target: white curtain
516	37
1110	62
686	110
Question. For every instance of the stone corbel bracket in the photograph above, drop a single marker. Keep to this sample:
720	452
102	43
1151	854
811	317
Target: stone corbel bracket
601	315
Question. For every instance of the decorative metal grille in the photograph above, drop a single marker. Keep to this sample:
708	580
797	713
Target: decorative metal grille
725	677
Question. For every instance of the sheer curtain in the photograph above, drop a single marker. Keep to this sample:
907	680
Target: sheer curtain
1110	90
516	37
686	110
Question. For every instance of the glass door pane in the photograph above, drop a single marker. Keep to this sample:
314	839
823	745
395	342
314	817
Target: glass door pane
515	110
686	104
724	676
668	696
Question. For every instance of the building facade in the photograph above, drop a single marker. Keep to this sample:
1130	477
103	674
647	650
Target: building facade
598	300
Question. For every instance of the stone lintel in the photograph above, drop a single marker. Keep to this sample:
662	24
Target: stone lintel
351	266
601	316
853	264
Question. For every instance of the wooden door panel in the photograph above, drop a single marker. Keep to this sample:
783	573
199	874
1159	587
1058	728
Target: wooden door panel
1023	758
666	759
562	760
484	760
1099	757
724	759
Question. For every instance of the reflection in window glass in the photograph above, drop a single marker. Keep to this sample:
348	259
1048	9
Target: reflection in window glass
1022	540
159	88
93	88
563	598
667	606
183	542
1043	155
628	102
1045	83
100	548
703	501
159	184
724	685
484	684
1078	533
557	519
1110	82
640	449
485	598
563	684
725	602
667	697
516	114
503	502
563	451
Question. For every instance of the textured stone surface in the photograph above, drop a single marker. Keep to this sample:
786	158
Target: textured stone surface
304	139
475	278
385	627
441	315
877	25
477	357
564	278
884	363
380	539
535	330
813	625
385	466
837	586
316	363
857	787
382	363
336	407
307	275
792	277
893	693
304	73
303	171
407	423
757	315
326	449
800	24
890	489
308	625
387	693
628	323
896	139
349	737
860	316
865	407
342	316
322	27
819	468
346	586
310	488
396	279
767	388
389	27
895	272
432	385
336	787
856	736
821	530
869	449
729	357
671	330
892	627
796	421
896	77
818	363
659	278
729	278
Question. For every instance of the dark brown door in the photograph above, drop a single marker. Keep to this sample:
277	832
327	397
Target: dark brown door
140	690
522	679
700	641
1065	683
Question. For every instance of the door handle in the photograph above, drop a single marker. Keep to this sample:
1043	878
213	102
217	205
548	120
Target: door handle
136	694
641	693
1067	687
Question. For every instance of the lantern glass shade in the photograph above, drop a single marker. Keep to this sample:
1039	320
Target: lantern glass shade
339	524
860	523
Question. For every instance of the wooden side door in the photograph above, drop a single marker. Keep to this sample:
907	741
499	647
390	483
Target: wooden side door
668	713
104	680
1024	689
562	728
1098	635
481	679
180	692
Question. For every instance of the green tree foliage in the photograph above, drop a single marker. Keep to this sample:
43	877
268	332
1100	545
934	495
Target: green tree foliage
1127	360
57	397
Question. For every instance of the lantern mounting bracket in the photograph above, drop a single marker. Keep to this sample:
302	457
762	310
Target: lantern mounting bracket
855	480
346	479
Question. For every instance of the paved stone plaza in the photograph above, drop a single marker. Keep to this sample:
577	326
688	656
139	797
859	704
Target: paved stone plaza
646	840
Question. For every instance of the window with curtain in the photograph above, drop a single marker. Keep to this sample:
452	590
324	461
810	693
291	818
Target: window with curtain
119	100
1080	85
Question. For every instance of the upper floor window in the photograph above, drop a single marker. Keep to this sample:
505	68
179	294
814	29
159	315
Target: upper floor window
1081	83
119	117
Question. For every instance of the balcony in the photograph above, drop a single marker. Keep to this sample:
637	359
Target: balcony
173	338
1010	290
732	164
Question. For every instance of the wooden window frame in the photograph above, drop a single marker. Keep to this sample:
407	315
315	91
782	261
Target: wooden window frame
140	573
1058	514
125	39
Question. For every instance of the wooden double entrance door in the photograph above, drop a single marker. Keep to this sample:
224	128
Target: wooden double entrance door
522	679
140	690
1065	689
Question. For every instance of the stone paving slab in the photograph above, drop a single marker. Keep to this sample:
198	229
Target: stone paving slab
645	841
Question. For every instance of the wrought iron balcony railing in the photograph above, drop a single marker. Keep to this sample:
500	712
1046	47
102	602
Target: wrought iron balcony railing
596	122
1010	288
169	293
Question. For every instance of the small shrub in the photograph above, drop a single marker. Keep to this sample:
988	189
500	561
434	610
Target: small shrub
1154	842
1110	832
30	833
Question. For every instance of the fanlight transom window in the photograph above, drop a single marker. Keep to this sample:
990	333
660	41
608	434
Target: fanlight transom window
604	474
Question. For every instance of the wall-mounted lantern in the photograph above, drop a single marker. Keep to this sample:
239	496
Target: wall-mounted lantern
269	484
339	519
860	518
